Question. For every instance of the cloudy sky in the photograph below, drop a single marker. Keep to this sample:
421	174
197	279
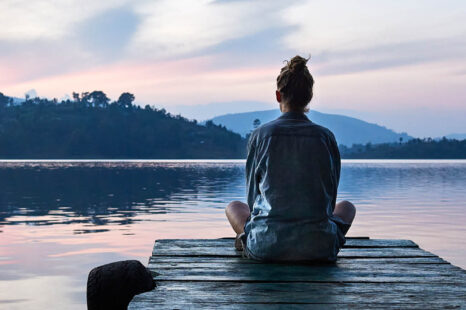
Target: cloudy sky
400	63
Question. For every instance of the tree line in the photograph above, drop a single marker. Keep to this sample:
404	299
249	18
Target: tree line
427	148
90	125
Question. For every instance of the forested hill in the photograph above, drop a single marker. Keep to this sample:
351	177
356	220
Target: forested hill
91	126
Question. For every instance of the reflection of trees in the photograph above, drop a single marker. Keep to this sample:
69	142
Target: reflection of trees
100	195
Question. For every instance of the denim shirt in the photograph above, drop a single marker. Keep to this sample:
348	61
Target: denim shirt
292	171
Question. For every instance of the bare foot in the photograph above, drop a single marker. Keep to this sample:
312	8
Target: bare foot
238	243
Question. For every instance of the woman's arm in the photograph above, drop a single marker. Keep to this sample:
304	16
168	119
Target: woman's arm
250	173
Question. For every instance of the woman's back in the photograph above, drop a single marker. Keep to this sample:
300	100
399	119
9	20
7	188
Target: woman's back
293	169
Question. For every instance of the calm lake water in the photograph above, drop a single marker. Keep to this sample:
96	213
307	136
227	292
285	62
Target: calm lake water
59	219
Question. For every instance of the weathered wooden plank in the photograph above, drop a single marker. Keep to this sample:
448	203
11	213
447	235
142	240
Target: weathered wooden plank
231	252
320	273
362	305
360	266
187	294
233	238
350	243
197	260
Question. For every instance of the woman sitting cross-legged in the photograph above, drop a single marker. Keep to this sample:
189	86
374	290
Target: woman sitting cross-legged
292	170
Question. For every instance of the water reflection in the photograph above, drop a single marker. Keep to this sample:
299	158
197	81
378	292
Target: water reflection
60	219
103	193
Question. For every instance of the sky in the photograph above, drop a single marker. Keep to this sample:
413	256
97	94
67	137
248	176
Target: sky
399	63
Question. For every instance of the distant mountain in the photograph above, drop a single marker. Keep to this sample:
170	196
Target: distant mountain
202	112
347	130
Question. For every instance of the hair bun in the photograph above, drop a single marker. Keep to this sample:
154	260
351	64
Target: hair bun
297	64
295	83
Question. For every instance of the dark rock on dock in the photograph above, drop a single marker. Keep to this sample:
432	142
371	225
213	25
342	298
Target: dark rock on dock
112	286
369	274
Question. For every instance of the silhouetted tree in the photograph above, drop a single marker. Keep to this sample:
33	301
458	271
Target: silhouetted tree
126	100
256	123
98	99
4	100
76	97
85	99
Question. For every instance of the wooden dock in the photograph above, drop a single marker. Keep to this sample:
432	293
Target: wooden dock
369	274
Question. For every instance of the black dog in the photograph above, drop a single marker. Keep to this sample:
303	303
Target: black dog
112	286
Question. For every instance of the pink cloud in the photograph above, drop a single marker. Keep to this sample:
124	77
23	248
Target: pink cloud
193	80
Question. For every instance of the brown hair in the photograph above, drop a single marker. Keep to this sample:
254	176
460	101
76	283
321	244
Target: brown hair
295	83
